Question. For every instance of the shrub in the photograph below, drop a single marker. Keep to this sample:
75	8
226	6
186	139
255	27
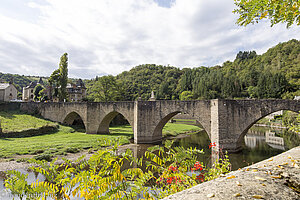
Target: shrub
46	157
72	150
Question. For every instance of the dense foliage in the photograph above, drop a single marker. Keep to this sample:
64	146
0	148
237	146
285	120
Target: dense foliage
39	93
251	11
275	74
162	171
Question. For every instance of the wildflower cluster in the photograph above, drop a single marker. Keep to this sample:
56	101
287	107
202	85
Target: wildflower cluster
200	176
197	166
173	169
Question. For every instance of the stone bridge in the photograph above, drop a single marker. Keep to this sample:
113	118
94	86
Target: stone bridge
225	121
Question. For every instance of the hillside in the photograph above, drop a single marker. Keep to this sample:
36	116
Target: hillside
19	81
274	74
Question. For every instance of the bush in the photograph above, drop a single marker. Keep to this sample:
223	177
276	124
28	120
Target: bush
72	150
39	151
46	157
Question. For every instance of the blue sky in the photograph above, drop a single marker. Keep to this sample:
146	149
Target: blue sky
111	36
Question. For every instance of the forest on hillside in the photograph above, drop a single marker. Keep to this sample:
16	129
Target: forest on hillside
274	74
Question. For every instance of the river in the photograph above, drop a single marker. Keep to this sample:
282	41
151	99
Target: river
260	143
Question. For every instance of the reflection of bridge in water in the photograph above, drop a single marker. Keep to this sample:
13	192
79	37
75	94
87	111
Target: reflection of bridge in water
254	138
225	121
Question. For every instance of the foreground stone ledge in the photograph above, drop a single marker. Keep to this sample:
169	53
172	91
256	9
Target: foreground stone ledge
273	178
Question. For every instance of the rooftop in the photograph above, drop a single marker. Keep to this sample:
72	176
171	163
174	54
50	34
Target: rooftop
3	86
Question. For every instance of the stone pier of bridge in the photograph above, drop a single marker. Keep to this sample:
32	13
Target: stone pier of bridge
225	121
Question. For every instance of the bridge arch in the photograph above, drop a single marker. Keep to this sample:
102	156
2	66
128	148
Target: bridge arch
74	118
103	127
164	120
256	118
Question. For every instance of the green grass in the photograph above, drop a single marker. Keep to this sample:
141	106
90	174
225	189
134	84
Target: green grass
56	143
15	121
185	120
173	129
66	139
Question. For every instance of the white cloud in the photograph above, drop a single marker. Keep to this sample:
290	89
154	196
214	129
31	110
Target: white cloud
110	36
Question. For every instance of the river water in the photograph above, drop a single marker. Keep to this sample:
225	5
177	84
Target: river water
260	143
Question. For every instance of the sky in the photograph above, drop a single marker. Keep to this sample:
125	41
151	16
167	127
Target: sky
105	37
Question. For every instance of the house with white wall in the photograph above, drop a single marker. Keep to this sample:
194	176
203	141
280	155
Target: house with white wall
8	92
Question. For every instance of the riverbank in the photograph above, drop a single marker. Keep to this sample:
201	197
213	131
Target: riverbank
19	161
275	178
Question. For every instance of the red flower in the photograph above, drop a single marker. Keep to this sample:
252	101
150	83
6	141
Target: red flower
169	180
174	169
212	145
197	166
200	177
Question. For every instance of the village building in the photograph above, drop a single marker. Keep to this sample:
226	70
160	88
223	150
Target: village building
76	92
274	115
28	91
8	92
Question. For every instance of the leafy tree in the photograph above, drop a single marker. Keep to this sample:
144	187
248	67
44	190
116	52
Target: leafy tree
38	92
186	95
243	55
54	81
164	91
185	82
59	79
252	11
105	89
63	72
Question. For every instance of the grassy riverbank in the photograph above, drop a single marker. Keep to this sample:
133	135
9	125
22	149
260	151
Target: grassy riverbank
15	121
67	139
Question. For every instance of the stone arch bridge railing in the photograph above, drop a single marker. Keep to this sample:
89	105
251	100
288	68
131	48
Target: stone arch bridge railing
225	121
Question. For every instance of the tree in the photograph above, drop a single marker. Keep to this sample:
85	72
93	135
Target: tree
186	95
105	89
38	92
54	83
63	72
59	79
252	11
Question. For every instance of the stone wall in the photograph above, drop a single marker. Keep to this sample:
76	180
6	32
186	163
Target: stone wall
8	106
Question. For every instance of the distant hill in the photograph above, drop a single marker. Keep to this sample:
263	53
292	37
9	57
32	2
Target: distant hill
19	81
274	74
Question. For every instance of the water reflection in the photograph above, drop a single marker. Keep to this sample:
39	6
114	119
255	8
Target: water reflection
260	143
255	138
